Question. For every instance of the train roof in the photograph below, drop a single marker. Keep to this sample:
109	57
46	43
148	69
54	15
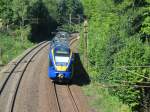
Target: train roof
61	40
62	35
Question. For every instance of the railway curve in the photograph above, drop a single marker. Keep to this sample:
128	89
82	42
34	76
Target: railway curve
25	87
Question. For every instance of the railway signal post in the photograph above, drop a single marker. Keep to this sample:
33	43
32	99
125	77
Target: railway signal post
85	57
1	57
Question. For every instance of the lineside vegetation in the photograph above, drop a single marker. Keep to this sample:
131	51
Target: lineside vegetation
118	43
119	49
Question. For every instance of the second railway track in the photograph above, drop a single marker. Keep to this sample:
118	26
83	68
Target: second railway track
12	69
12	80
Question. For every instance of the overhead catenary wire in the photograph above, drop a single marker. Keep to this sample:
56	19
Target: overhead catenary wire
125	83
136	73
136	66
124	68
121	85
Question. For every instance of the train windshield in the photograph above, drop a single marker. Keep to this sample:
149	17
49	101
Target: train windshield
62	55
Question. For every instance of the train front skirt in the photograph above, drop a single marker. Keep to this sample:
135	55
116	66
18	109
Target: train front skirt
60	76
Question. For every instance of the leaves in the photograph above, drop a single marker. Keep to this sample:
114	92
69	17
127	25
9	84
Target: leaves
145	29
69	8
115	48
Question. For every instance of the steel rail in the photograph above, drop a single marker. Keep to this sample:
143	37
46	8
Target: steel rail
13	69
75	106
56	97
13	98
73	40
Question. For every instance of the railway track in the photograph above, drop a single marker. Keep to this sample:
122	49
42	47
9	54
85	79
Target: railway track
17	79
74	103
73	39
14	78
60	93
11	70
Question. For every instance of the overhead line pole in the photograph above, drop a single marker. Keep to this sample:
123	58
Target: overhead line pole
1	62
70	20
85	57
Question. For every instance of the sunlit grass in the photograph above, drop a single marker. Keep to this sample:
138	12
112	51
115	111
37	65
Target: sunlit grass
100	99
12	47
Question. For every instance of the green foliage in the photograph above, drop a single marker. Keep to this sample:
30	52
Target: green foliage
6	12
12	47
20	9
68	8
132	55
70	28
52	6
146	26
115	39
33	20
102	101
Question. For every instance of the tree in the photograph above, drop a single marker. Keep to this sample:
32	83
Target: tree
145	29
20	9
44	23
6	12
69	7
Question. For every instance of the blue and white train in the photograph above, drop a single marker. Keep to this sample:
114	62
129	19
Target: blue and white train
61	58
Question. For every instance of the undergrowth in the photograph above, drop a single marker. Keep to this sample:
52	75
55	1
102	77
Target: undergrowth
12	46
101	101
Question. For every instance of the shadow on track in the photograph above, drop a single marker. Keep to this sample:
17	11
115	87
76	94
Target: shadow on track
80	75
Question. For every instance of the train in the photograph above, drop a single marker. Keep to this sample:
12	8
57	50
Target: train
61	59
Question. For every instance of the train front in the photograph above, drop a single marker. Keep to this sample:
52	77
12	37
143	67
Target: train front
60	64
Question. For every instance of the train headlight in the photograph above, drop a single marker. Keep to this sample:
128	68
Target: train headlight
60	76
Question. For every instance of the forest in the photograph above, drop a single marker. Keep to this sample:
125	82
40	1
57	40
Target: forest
118	43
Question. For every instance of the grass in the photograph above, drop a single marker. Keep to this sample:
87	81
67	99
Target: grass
12	47
101	101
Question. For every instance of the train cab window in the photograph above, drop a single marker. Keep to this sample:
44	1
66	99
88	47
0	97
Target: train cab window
62	55
62	52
